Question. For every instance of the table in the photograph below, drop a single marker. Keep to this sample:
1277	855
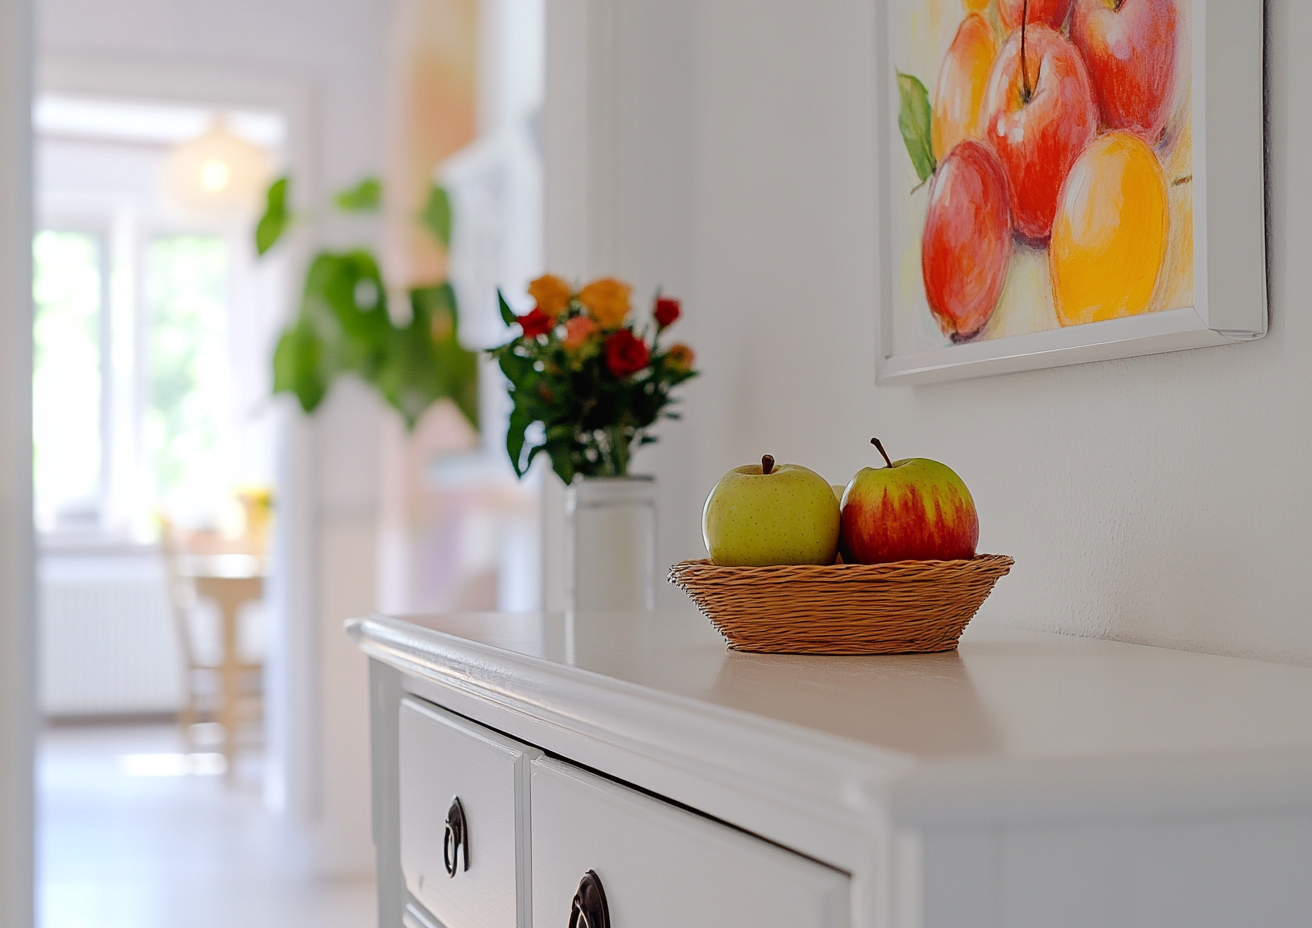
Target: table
229	581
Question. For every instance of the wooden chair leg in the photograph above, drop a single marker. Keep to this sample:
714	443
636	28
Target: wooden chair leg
187	717
230	685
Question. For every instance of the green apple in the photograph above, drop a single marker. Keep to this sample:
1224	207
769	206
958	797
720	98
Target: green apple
912	510
763	515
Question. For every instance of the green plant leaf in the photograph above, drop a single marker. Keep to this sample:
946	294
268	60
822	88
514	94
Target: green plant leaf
437	214
519	423
425	362
559	433
344	295
507	314
298	363
364	197
276	216
516	369
562	462
914	121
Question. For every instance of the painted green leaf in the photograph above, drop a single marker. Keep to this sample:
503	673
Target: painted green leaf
364	197
437	214
914	121
276	216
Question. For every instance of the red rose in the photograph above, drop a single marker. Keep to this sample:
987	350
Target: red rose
535	323
626	353
667	311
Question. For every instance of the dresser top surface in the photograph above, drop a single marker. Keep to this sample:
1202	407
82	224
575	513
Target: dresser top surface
1004	695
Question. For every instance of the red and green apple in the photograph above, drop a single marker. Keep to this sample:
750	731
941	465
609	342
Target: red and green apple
913	509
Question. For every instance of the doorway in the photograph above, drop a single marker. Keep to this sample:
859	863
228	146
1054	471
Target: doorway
153	475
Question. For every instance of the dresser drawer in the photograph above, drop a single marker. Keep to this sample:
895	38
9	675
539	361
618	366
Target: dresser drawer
659	865
463	796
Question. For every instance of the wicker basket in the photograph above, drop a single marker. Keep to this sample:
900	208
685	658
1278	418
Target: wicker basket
899	608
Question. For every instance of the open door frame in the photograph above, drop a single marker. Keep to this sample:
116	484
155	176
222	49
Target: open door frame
17	639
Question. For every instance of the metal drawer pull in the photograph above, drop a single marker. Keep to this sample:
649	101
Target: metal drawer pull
589	908
456	836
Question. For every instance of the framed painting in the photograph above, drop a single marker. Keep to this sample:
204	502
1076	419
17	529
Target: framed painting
1063	181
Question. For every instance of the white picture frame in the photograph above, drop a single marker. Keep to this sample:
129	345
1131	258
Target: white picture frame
1229	218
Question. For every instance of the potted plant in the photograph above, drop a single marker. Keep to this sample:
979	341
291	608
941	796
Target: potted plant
591	383
345	325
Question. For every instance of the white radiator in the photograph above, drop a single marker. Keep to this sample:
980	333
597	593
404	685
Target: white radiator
107	638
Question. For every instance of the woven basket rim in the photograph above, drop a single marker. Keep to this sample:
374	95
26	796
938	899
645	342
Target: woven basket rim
999	564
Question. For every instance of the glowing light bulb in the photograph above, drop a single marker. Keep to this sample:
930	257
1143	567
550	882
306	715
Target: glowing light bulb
214	176
217	173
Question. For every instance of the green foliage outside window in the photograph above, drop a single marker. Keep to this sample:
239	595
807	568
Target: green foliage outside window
187	361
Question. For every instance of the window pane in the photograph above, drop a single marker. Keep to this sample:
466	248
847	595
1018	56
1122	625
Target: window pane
66	383
186	419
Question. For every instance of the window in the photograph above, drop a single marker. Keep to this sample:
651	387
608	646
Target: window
154	325
187	369
67	386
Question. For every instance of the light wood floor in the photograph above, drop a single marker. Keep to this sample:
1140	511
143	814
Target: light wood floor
117	849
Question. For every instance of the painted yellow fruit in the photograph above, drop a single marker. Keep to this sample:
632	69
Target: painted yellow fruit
1110	233
974	6
962	81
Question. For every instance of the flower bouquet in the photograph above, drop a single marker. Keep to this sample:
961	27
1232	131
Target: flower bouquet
596	381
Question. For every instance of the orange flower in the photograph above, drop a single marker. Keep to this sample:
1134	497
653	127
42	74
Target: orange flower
551	293
607	300
680	357
578	330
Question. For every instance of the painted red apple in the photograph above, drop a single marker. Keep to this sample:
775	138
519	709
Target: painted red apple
1131	49
912	510
1035	12
966	245
1038	115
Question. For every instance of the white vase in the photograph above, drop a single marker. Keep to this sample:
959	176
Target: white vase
610	543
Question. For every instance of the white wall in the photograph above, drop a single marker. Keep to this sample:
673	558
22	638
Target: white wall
16	649
1161	500
327	59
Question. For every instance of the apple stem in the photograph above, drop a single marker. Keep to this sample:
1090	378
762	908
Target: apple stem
1024	69
880	445
767	463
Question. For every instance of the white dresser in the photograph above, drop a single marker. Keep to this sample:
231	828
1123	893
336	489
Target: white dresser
626	770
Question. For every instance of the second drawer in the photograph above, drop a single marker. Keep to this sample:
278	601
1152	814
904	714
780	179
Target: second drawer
658	865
